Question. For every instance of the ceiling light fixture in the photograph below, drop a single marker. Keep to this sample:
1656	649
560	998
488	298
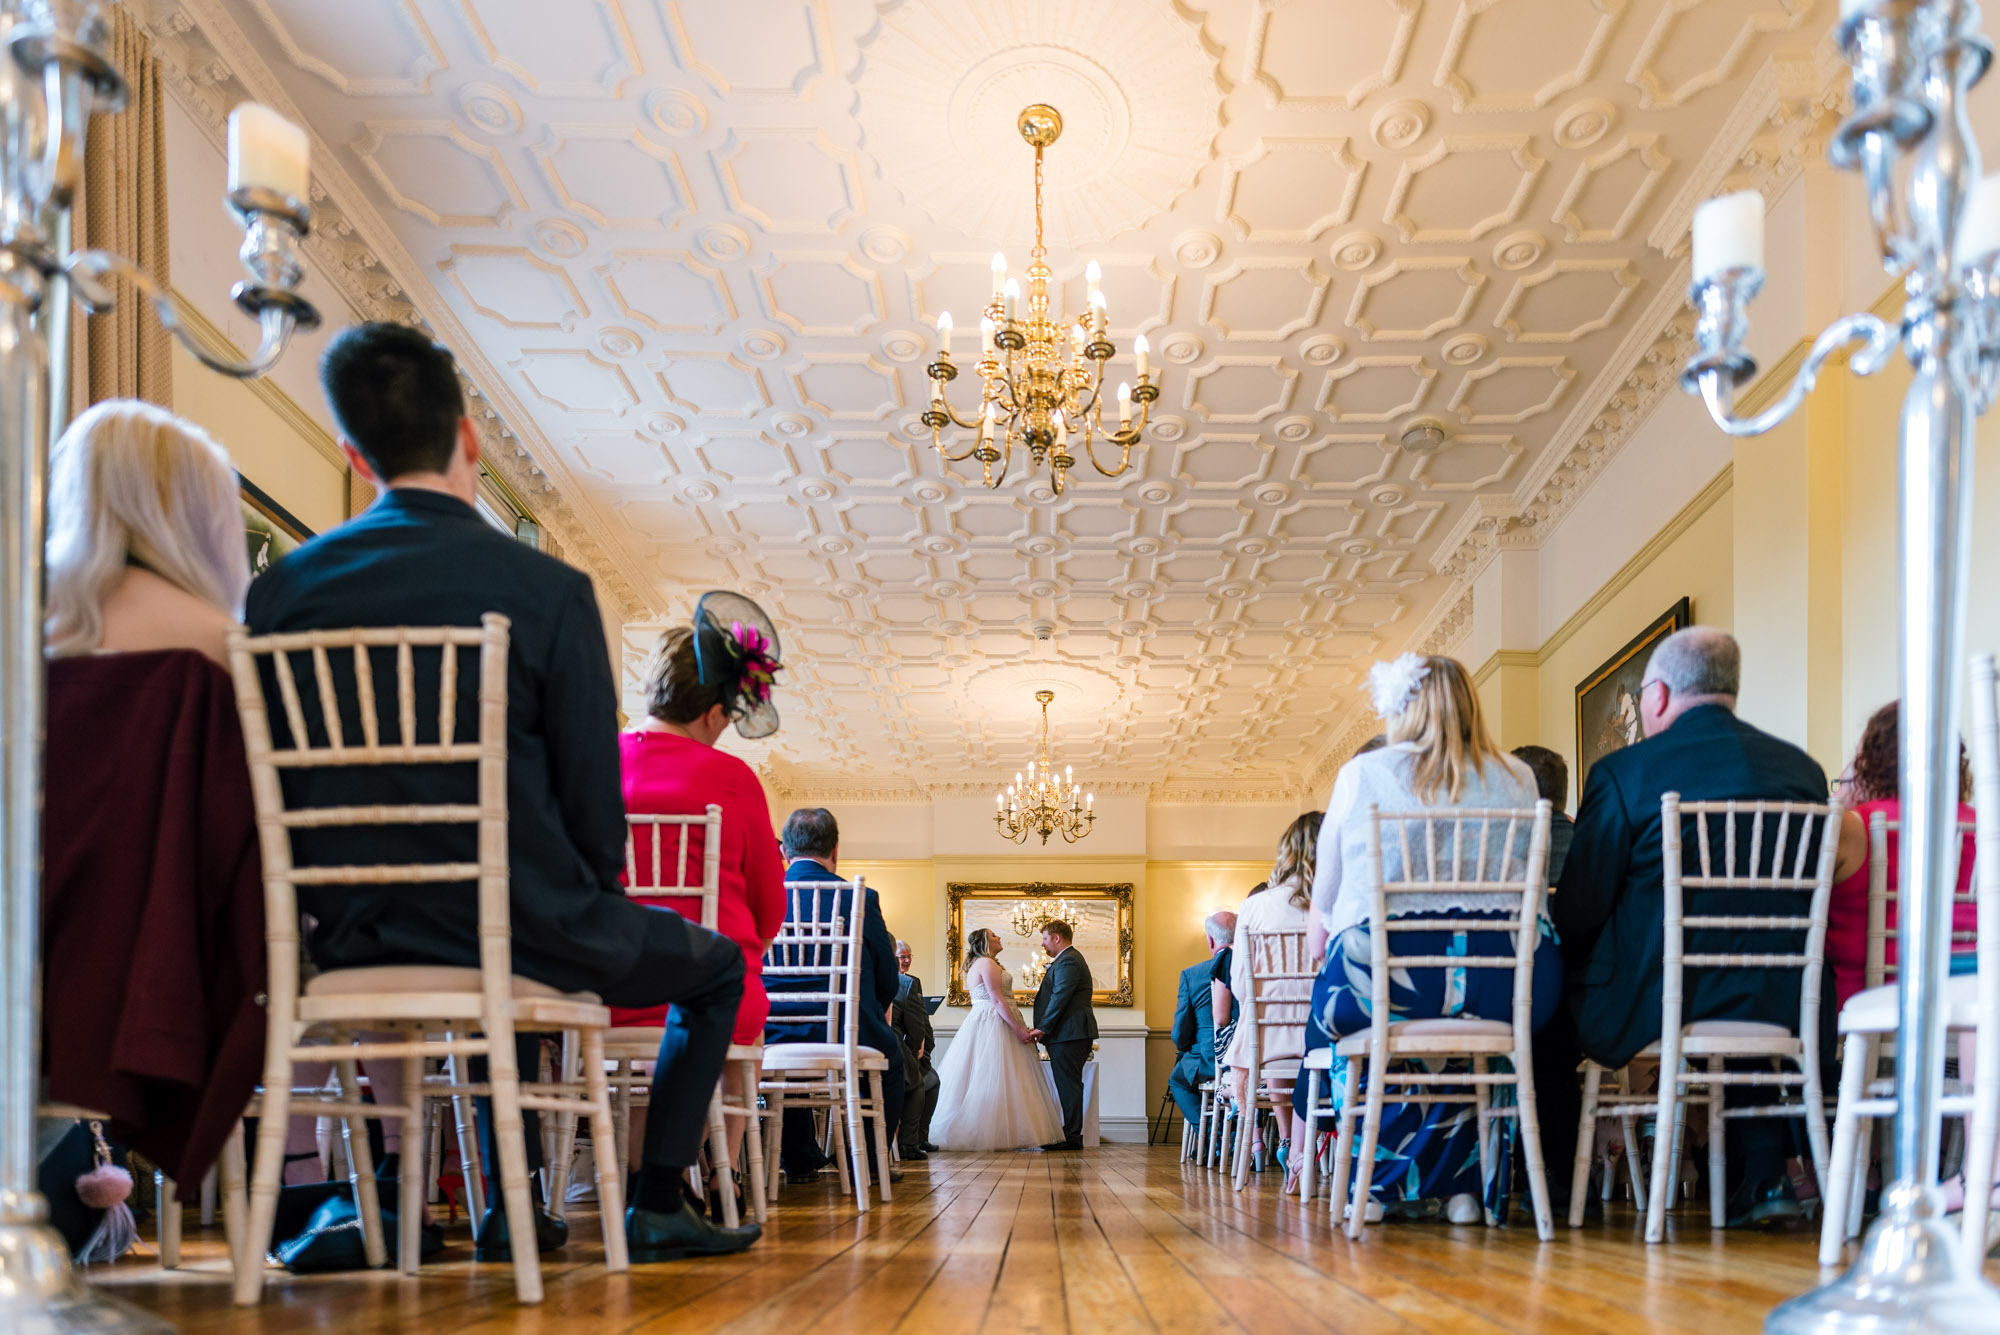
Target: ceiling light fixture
1424	437
1044	803
1050	391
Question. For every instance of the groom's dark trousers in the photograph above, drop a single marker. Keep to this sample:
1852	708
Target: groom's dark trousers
1066	1064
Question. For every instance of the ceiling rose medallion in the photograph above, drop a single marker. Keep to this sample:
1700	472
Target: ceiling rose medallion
1036	386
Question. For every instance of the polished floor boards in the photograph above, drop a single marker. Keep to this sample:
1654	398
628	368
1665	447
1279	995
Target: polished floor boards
1118	1239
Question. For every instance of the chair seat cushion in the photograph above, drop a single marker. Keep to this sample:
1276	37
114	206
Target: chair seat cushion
1735	1029
1875	1010
819	1056
1435	1036
402	978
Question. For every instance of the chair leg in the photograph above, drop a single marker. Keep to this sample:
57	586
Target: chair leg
1858	1191
1680	1142
1308	1153
1483	1124
881	1119
235	1199
774	1125
208	1199
1371	1131
511	1137
1657	1196
465	1114
718	1155
1840	1181
1586	1138
168	1194
753	1137
562	1168
842	1161
1528	1118
434	1130
1718	1164
273	1120
1634	1165
361	1168
416	1156
610	1170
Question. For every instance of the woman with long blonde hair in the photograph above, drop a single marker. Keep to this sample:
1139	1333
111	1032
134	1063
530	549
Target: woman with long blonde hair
1439	758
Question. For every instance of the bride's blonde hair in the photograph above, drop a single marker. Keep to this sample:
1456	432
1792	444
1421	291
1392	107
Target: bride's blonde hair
979	944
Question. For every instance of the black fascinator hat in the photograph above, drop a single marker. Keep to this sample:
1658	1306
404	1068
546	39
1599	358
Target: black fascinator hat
736	651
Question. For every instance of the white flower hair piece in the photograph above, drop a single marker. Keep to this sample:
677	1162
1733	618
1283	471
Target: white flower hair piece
1393	685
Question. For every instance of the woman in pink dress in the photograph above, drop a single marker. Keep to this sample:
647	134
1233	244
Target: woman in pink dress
1871	787
672	768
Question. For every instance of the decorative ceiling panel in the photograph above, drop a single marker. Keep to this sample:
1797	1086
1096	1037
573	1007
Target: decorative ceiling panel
695	253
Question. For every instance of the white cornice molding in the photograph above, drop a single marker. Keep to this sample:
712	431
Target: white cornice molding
203	52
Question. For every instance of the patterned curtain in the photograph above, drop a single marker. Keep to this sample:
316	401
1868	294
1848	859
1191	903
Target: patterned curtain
125	353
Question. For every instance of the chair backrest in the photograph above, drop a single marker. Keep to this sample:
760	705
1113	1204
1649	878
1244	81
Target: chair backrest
1777	849
1281	978
317	739
1986	805
1449	855
646	869
821	938
1877	969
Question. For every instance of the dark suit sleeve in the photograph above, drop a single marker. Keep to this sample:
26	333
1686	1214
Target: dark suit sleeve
1062	988
580	718
1594	872
880	948
1185	1031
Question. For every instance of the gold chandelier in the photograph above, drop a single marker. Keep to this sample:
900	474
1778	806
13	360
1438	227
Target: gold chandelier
1038	386
1031	915
1044	803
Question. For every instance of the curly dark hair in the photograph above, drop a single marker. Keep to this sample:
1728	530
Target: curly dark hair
1876	762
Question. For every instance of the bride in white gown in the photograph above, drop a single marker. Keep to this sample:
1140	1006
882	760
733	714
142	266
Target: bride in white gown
992	1094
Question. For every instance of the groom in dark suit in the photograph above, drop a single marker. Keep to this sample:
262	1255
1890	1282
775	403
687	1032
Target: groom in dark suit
1065	1025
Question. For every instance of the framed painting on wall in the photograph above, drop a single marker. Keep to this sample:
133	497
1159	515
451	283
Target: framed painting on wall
272	531
1100	915
1607	701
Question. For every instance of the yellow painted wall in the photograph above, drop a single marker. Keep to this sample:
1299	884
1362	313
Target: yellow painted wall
1179	897
271	451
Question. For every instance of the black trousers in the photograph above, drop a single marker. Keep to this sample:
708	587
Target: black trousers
1184	1083
1066	1062
799	1146
919	1101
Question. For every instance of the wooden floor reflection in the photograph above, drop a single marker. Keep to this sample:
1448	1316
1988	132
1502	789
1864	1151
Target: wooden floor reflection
1119	1239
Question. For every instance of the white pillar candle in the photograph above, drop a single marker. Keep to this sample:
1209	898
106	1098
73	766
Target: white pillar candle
1076	339
1124	404
937	391
987	422
985	336
267	152
944	336
1729	234
1979	225
1010	298
1062	431
999	272
1093	277
1142	351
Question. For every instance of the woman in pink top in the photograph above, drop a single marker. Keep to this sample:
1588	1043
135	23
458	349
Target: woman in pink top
1871	787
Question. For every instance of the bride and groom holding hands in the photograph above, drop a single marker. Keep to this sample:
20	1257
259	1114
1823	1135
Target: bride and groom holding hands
991	1091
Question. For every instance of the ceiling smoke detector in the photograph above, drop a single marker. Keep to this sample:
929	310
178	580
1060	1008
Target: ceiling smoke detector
1424	437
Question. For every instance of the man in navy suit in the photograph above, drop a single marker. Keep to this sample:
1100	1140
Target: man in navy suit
1065	1025
1609	906
1194	1021
422	556
811	841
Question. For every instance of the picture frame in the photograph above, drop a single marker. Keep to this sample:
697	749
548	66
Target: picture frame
1103	926
270	530
1607	701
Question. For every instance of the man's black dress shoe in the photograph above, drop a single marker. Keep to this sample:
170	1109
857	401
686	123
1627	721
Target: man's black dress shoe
1766	1204
655	1235
1064	1145
492	1244
913	1155
929	1148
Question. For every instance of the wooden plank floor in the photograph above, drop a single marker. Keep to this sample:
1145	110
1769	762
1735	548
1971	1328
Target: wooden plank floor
1119	1239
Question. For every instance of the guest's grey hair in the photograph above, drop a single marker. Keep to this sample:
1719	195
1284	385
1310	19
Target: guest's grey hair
902	946
810	832
1700	660
1220	926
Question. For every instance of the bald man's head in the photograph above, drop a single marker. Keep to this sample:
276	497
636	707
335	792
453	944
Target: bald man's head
1697	666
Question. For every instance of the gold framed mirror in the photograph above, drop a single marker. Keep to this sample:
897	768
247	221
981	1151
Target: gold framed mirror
1101	916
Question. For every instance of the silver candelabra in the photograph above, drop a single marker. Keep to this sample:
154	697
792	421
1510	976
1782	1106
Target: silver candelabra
53	76
1913	62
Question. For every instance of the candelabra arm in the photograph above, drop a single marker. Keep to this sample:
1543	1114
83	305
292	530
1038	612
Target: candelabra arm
1874	341
87	271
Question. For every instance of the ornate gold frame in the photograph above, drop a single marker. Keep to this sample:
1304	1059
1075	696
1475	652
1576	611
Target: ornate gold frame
958	892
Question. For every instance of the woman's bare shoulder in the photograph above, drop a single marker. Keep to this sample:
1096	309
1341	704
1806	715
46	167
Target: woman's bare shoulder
144	613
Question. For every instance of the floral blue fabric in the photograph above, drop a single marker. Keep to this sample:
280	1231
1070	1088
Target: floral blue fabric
1430	1151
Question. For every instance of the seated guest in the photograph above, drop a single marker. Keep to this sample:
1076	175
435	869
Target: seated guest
1608	907
1194	1020
672	768
1281	907
1440	758
1552	782
421	555
152	928
1221	1001
1871	787
812	844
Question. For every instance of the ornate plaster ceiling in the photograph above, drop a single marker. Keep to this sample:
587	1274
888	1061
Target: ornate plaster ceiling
691	252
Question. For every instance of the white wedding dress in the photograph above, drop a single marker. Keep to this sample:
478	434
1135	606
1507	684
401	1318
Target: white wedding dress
992	1094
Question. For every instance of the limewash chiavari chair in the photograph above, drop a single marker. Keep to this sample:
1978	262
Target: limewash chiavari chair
1869	1019
1760	870
646	876
1371	1080
821	938
440	1011
1281	979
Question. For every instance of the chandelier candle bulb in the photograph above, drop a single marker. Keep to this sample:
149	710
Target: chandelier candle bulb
1076	340
1144	353
267	152
1010	299
1979	225
944	336
1729	234
1124	405
1100	314
1093	277
999	272
985	336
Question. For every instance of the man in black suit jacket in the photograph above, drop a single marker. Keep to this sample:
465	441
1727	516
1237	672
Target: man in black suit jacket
1608	908
1065	1025
1194	1021
421	555
811	841
920	1080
